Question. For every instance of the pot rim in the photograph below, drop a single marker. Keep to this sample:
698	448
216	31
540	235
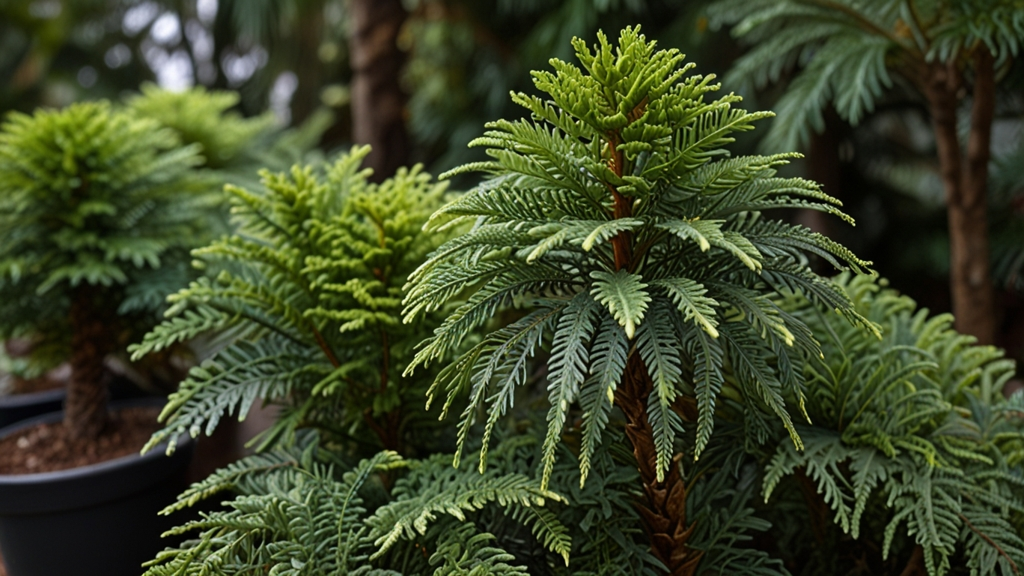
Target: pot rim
159	451
28	398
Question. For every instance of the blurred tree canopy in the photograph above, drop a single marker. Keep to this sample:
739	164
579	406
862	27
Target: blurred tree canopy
418	78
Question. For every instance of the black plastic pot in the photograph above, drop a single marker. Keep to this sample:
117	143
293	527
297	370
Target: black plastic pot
17	407
98	520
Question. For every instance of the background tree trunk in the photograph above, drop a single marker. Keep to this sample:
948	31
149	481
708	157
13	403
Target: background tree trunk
824	167
378	103
309	69
85	410
965	187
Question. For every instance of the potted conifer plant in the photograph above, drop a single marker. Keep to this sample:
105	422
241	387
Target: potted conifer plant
231	148
97	207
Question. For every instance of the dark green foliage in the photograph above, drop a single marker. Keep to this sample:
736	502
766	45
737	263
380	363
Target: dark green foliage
298	512
302	509
848	48
607	208
304	301
911	432
92	196
721	501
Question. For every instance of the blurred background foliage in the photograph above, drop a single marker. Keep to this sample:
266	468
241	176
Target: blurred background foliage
290	60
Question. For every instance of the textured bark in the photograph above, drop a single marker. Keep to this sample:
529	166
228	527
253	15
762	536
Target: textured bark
378	103
965	181
85	410
664	514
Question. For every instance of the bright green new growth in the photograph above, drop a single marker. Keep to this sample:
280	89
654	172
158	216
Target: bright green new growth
609	218
305	297
912	429
204	118
90	195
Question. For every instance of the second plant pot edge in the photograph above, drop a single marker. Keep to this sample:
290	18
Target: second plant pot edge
95	483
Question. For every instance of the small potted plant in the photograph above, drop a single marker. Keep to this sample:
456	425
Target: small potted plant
98	209
232	148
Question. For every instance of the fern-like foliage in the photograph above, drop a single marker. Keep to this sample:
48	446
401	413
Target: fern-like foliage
93	196
234	148
848	50
721	502
302	510
912	429
294	516
616	218
304	302
204	118
297	512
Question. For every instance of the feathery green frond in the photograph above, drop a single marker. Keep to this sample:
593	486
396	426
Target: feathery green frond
306	298
619	188
847	50
907	428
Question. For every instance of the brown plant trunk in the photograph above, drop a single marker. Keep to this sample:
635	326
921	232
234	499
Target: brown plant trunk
85	410
965	181
378	103
664	514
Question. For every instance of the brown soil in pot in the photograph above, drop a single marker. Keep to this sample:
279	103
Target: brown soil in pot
49	447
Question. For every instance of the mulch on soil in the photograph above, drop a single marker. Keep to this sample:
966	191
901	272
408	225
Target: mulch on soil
51	447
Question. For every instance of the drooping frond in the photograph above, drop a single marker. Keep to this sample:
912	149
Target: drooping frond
848	50
907	428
